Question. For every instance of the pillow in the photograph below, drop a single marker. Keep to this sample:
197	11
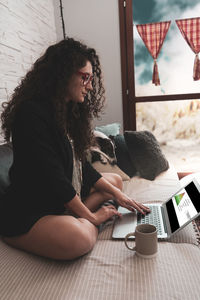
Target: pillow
110	129
145	154
123	158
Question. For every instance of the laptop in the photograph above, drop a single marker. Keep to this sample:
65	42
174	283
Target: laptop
168	217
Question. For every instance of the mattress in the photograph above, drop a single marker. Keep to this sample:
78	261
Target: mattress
109	271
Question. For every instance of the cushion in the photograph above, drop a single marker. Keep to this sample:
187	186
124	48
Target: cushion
109	129
108	168
124	161
145	153
6	158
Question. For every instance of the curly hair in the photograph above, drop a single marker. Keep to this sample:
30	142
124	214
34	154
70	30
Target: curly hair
48	80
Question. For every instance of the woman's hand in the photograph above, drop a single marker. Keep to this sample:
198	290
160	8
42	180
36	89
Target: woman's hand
105	213
77	208
123	200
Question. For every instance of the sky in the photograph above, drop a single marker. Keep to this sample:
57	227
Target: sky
176	59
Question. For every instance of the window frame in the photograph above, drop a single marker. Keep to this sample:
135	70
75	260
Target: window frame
128	77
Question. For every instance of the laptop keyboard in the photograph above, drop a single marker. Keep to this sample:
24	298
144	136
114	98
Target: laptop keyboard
152	218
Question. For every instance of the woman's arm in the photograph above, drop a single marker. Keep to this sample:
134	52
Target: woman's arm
122	199
101	215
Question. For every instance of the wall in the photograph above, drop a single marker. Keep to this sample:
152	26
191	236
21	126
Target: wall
96	22
27	27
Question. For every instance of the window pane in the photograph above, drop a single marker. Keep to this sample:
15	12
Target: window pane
176	59
176	125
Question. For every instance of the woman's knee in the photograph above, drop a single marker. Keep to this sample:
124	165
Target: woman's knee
77	240
81	240
117	181
87	234
114	179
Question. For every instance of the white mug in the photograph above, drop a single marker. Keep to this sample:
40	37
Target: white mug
146	241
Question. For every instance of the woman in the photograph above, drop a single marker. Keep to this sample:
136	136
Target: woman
49	121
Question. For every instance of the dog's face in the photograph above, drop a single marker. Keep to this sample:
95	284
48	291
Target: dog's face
107	147
103	149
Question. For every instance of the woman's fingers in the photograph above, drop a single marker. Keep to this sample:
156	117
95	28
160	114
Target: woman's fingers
132	205
145	208
113	210
105	213
140	207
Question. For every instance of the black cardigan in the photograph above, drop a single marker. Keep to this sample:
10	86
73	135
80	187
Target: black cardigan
41	174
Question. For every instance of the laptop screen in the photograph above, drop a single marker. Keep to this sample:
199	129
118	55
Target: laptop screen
183	206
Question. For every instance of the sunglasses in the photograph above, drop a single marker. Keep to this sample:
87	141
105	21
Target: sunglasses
86	78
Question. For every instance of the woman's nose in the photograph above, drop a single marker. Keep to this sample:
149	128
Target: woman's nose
89	86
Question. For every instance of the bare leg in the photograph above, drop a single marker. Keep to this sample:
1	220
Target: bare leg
63	237
57	237
95	199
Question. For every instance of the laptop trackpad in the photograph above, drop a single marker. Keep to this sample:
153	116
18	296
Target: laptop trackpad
124	225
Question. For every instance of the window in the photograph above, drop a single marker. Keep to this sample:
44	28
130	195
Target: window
175	62
176	126
178	93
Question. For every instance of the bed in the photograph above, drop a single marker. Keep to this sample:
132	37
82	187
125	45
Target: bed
110	270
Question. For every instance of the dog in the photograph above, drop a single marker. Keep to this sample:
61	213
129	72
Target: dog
103	149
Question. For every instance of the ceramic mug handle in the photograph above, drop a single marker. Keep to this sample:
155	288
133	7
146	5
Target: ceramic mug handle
126	241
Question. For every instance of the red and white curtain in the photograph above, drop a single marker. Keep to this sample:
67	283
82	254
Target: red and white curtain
190	29
153	36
